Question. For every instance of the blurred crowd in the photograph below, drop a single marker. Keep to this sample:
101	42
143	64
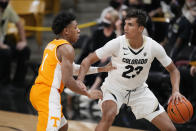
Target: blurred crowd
172	23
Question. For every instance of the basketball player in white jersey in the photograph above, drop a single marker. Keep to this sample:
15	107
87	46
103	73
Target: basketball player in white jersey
132	55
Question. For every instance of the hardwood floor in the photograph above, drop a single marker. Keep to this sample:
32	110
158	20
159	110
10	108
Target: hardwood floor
10	121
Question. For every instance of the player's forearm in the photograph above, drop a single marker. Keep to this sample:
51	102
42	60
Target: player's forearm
84	67
175	80
97	83
92	70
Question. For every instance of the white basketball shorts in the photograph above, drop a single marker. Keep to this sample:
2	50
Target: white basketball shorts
141	100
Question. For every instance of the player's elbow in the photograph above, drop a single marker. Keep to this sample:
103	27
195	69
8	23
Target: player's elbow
176	71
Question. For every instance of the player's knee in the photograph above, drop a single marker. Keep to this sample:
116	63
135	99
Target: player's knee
109	109
109	116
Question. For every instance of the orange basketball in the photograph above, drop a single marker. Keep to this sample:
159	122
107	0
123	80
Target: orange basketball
180	113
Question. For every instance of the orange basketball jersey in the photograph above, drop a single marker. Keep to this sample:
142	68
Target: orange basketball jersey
50	70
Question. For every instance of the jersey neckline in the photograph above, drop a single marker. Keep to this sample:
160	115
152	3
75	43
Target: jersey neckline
144	41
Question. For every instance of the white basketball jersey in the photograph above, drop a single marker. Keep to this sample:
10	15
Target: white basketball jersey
132	65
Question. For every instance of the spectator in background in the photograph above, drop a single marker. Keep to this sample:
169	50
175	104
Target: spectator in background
152	7
191	4
9	50
193	39
134	4
179	34
176	8
107	31
113	5
108	28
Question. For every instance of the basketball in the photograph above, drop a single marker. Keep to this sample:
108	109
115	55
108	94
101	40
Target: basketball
180	113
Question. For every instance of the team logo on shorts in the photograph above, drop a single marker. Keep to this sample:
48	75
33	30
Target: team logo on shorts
55	120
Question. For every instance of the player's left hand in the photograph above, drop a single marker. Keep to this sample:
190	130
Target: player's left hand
95	94
176	97
106	68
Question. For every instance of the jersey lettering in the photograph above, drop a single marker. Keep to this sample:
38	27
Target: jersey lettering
44	62
134	61
130	72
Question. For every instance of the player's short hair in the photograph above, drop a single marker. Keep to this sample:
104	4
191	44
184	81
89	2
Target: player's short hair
61	21
139	14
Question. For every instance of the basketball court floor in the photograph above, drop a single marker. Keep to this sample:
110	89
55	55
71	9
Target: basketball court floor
10	121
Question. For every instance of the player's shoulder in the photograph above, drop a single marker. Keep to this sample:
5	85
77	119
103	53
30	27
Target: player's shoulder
116	41
150	42
122	37
65	49
149	39
119	39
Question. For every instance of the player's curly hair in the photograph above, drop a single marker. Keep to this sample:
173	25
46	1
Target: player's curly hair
139	14
61	21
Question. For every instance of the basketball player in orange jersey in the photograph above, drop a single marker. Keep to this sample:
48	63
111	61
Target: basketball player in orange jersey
133	54
55	72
